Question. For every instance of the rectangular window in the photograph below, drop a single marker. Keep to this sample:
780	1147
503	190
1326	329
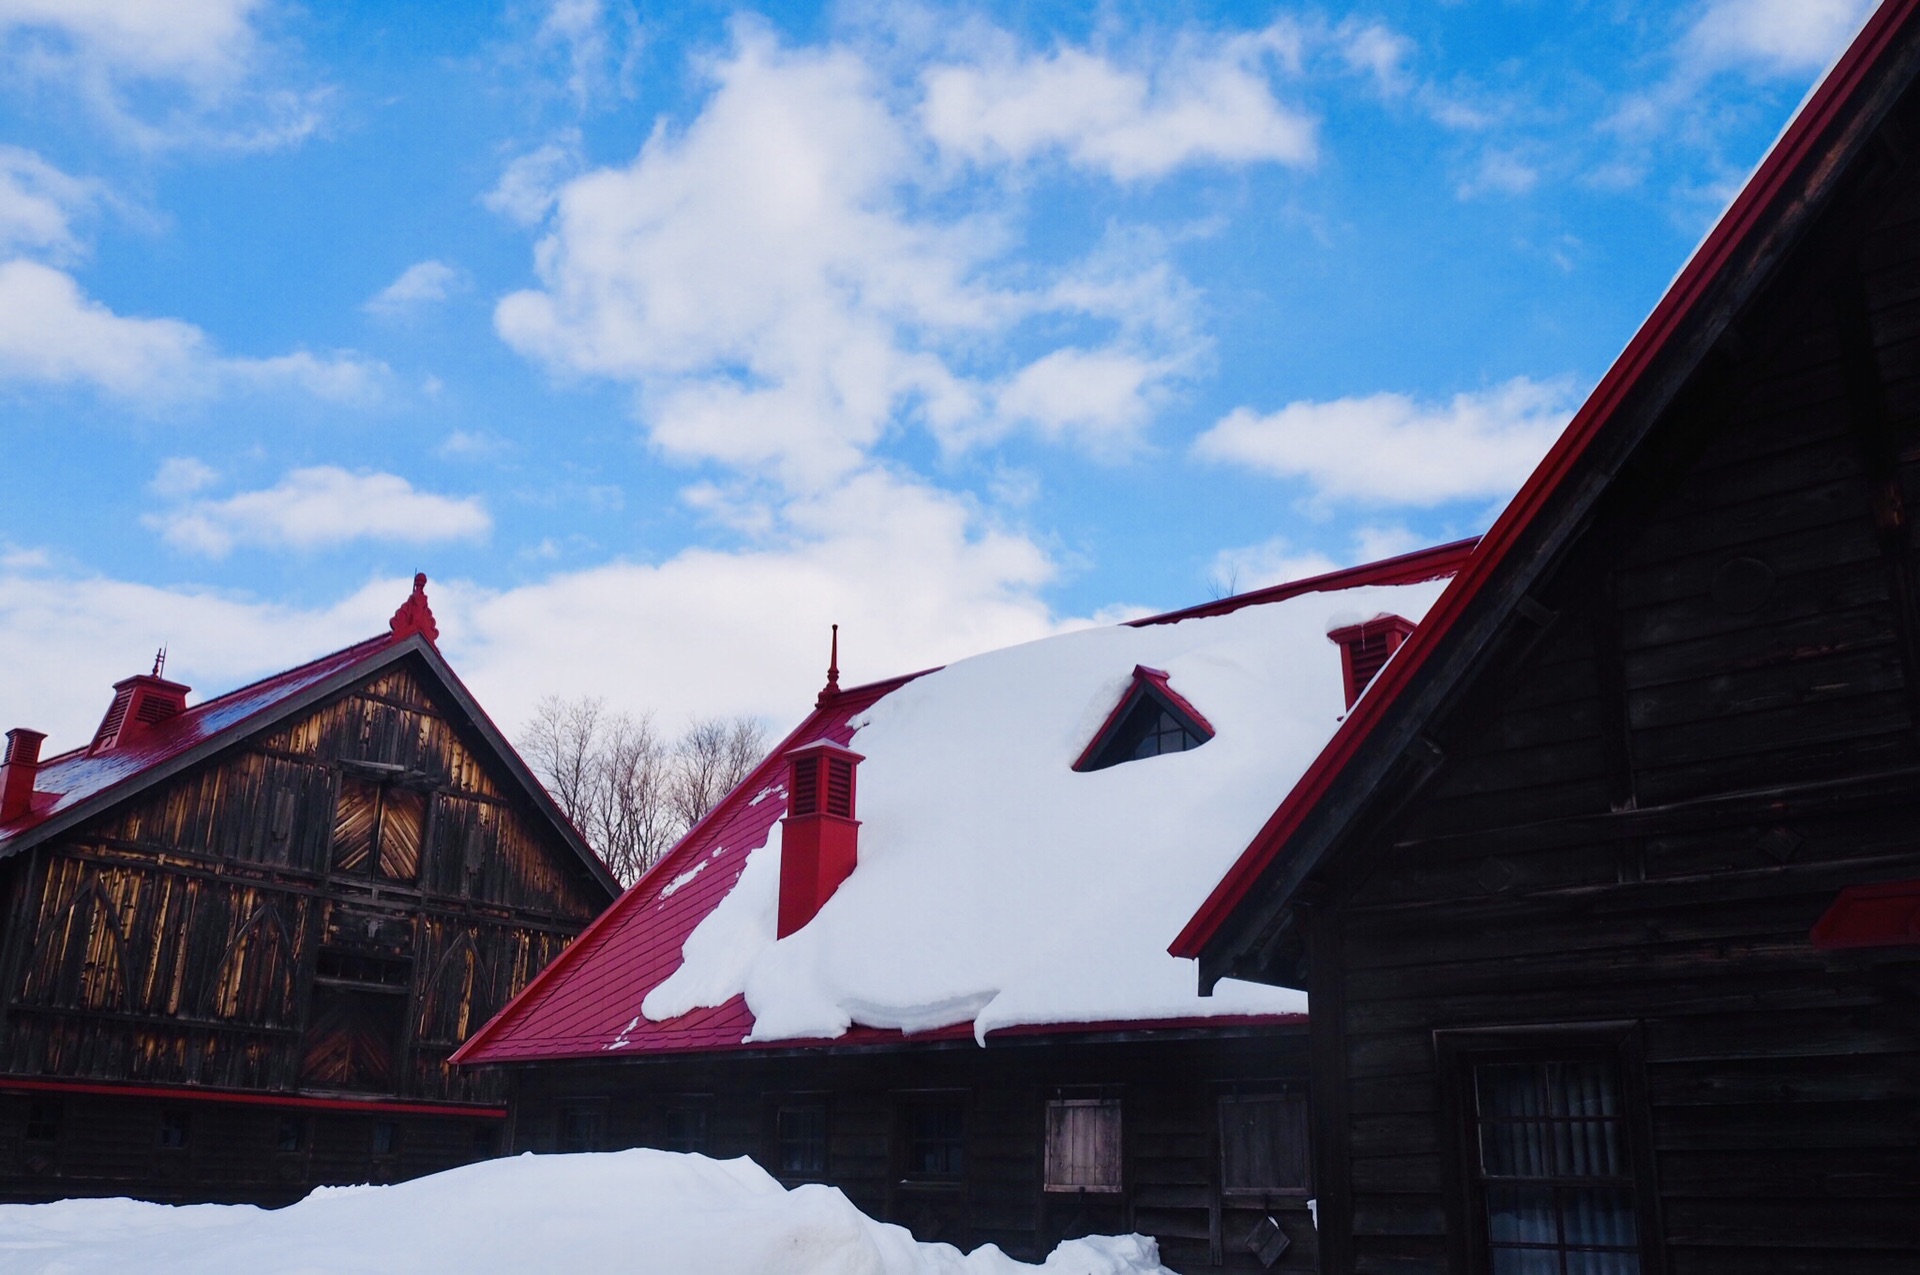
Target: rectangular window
175	1124
486	1141
1083	1144
936	1139
386	1138
581	1126
1552	1175
1263	1143
43	1120
684	1128
800	1137
292	1134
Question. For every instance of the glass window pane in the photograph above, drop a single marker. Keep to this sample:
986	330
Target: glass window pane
1526	1261
1599	1216
1616	1263
1521	1215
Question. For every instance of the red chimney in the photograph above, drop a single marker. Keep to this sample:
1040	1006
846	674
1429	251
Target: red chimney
139	702
17	773
1365	648
819	837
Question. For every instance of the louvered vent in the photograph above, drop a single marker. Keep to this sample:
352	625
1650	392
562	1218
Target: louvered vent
155	709
840	787
116	718
138	703
803	793
1366	648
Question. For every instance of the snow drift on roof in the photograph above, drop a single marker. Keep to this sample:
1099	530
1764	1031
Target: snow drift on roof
998	886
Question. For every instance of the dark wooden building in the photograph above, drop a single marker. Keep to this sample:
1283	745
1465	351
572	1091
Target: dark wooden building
1606	897
242	937
1129	1115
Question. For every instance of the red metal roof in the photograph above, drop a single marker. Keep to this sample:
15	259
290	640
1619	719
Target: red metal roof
1772	185
587	1002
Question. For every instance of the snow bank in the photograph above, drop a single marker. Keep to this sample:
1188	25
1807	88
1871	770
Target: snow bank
996	885
635	1212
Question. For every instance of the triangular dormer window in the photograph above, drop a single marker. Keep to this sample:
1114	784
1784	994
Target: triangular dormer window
1150	719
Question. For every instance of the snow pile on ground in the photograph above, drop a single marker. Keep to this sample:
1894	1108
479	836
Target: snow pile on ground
634	1212
998	886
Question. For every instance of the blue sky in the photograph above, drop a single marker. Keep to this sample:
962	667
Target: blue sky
662	336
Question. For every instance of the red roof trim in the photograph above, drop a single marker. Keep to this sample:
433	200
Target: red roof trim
1434	563
1883	915
1742	217
189	1093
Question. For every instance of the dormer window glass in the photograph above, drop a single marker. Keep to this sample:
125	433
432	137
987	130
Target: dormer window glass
1150	720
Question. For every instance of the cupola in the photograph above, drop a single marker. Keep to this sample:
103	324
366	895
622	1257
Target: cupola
139	703
1365	649
819	837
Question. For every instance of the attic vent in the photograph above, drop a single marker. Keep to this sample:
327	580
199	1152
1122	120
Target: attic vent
1366	648
803	794
153	710
840	787
1150	720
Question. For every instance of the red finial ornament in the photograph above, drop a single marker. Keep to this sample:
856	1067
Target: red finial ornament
414	615
832	688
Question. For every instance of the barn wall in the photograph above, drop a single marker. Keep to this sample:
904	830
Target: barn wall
331	906
1637	830
1168	1089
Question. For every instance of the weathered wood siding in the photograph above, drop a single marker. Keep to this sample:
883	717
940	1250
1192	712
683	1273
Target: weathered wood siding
1169	1092
1640	824
331	906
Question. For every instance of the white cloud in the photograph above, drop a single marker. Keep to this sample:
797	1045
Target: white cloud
1210	100
51	333
912	576
530	183
318	507
38	204
1104	396
1778	37
420	284
158	73
1391	448
599	44
765	282
182	476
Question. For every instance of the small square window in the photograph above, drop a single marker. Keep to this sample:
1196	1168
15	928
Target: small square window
684	1128
386	1138
1263	1143
292	1135
175	1125
43	1120
581	1127
1083	1144
801	1134
936	1139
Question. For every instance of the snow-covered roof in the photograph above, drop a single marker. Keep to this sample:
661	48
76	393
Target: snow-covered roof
997	888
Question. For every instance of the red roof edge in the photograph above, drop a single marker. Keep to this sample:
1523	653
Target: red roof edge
856	698
1433	563
1867	916
1743	215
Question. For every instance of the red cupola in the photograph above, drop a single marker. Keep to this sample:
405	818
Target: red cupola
1365	649
18	772
819	836
139	702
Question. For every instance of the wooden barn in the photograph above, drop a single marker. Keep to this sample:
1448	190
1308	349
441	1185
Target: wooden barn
1606	896
919	954
243	936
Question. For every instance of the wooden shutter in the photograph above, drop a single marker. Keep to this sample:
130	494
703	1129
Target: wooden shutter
1083	1145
